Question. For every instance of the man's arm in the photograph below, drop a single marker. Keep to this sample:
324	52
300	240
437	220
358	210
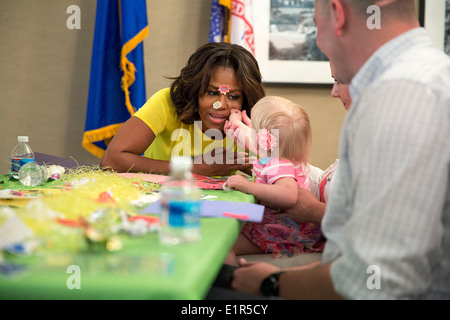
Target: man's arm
308	283
305	282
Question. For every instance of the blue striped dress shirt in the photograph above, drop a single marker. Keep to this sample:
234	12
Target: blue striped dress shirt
388	217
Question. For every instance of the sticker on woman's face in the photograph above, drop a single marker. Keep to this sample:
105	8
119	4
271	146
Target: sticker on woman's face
217	105
224	89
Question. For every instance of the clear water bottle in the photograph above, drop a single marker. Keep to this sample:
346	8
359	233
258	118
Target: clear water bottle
31	174
21	155
180	205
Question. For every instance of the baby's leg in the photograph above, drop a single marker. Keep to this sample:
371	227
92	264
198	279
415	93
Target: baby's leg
245	246
241	246
231	258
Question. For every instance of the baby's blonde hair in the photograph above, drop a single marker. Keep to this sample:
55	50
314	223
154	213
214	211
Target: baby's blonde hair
292	123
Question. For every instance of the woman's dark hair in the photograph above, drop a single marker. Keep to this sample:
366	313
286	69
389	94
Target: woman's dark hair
195	77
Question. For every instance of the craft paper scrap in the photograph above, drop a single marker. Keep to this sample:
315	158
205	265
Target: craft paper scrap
203	182
21	194
155	178
238	210
209	183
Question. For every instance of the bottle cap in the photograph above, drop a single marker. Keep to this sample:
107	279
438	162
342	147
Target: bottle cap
180	163
22	139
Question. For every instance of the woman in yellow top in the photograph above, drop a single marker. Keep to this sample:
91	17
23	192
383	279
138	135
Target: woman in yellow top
188	118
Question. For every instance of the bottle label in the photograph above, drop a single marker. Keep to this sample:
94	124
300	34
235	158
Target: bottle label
17	163
184	214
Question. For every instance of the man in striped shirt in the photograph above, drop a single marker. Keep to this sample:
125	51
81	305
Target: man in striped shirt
387	222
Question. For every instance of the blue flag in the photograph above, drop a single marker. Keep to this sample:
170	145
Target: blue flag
117	81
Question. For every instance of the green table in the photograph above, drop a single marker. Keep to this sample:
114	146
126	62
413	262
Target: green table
142	269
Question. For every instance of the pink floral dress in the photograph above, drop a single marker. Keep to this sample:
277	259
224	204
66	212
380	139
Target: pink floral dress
277	233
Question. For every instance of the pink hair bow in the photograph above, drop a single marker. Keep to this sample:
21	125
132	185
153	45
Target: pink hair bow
266	140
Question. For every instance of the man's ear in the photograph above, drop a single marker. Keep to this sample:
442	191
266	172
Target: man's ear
338	16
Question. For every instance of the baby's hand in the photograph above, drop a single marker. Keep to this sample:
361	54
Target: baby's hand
235	117
232	128
227	125
238	182
245	119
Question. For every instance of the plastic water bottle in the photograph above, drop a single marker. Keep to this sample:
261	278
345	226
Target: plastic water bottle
32	174
180	205
21	155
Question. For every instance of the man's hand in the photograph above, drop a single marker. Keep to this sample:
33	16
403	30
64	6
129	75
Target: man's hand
307	209
249	276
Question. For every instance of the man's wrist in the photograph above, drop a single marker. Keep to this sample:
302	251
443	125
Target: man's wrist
271	285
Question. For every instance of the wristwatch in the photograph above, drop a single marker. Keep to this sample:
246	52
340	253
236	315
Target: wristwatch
269	286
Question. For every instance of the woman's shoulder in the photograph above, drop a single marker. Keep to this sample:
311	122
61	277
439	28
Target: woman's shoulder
159	112
159	102
162	95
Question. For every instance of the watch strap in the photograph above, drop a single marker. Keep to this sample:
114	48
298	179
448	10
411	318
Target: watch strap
270	285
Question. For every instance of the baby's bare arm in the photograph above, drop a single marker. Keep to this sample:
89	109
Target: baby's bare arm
240	131
282	194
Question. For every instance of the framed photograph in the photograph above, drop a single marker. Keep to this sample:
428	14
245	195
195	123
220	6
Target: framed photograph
285	43
435	17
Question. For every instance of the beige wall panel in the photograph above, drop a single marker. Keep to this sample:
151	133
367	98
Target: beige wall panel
45	76
45	70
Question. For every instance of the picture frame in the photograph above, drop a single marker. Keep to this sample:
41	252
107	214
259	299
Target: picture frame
285	43
435	18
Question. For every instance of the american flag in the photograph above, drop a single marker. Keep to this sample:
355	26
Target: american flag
232	21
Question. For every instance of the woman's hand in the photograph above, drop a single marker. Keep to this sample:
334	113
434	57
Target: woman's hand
222	162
